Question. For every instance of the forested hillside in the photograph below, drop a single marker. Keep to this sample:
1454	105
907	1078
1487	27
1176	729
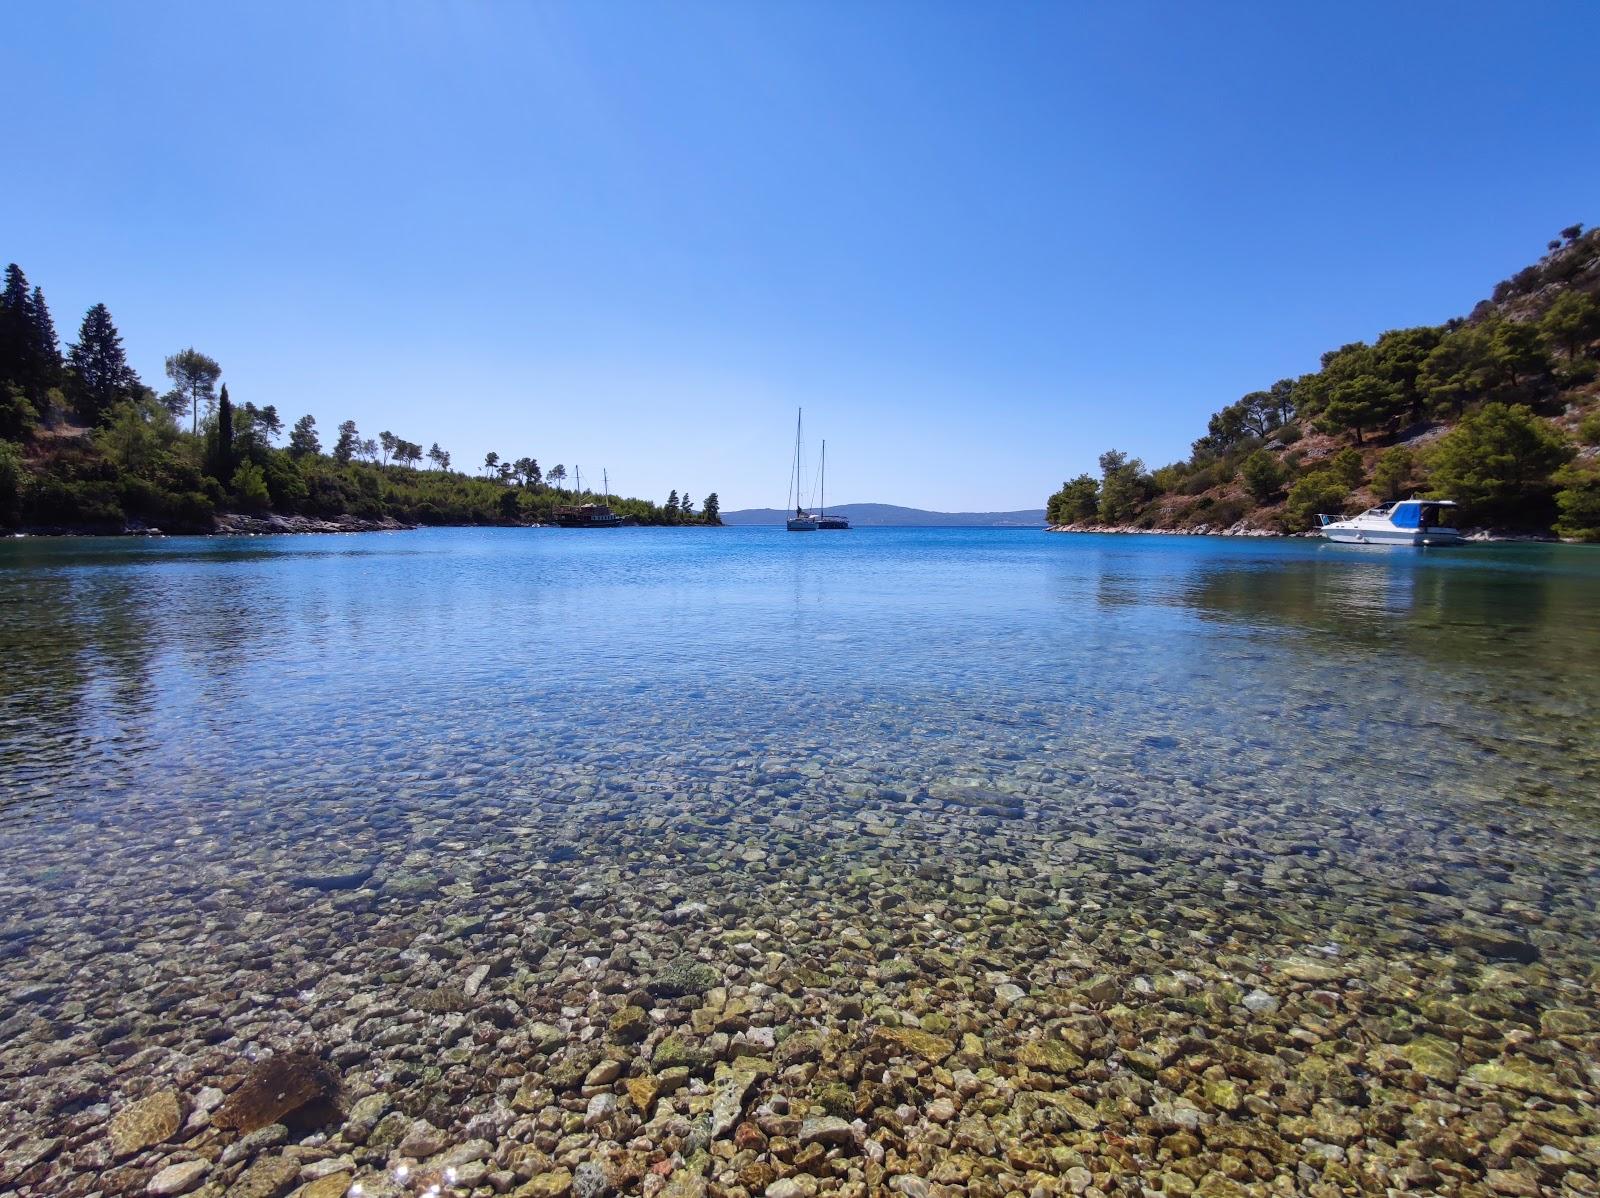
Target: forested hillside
1499	410
86	445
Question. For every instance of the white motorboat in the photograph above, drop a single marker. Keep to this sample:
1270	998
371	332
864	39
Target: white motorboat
1407	522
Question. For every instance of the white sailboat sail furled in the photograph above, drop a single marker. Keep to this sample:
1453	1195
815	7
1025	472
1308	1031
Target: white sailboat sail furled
825	521
801	521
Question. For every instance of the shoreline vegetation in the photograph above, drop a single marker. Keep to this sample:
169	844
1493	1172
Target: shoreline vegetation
86	448
1498	410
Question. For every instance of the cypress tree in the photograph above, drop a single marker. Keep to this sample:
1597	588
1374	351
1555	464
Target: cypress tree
101	376
224	449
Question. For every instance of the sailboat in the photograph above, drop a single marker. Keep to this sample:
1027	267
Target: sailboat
801	521
825	521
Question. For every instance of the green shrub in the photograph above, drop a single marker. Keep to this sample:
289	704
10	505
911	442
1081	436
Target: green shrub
285	483
93	503
1289	434
250	487
1319	491
17	415
1228	511
191	510
1578	501
11	479
1346	466
1589	428
1392	472
1577	372
1200	480
1263	475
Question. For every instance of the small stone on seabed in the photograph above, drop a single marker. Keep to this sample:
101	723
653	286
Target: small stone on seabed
144	1123
179	1178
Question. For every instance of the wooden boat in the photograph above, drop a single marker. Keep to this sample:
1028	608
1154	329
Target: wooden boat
588	515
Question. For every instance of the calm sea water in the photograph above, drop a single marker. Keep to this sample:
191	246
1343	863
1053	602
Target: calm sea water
1304	748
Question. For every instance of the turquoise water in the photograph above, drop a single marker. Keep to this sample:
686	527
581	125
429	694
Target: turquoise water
911	767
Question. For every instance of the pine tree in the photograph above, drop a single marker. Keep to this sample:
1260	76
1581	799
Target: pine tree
303	440
16	330
193	375
711	510
46	347
348	444
672	505
101	377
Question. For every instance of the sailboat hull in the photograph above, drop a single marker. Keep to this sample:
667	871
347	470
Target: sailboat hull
802	526
833	523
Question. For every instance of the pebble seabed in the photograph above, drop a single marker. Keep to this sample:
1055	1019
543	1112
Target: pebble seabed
779	976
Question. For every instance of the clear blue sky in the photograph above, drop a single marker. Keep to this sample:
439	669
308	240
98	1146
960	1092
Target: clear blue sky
980	243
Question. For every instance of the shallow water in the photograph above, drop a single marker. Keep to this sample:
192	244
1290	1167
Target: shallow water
1199	862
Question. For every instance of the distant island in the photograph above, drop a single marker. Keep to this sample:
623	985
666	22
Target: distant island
887	515
1498	410
87	447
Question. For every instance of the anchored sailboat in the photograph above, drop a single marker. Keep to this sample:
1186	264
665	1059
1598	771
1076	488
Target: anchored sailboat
801	521
825	521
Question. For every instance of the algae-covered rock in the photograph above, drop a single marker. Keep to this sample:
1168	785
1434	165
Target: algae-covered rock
630	1025
1434	1058
1052	1056
684	977
1519	1075
674	1051
913	1041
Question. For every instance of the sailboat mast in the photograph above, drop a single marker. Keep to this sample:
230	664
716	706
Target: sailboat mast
824	508
799	412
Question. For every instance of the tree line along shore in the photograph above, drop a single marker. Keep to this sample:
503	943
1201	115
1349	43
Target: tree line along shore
87	447
1498	410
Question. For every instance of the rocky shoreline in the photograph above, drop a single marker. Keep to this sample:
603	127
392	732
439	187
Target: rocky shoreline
227	524
236	524
1241	529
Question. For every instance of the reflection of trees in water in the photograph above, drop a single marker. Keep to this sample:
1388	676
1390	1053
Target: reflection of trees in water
79	650
1489	669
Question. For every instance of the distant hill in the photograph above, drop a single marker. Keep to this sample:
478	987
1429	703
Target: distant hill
887	515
